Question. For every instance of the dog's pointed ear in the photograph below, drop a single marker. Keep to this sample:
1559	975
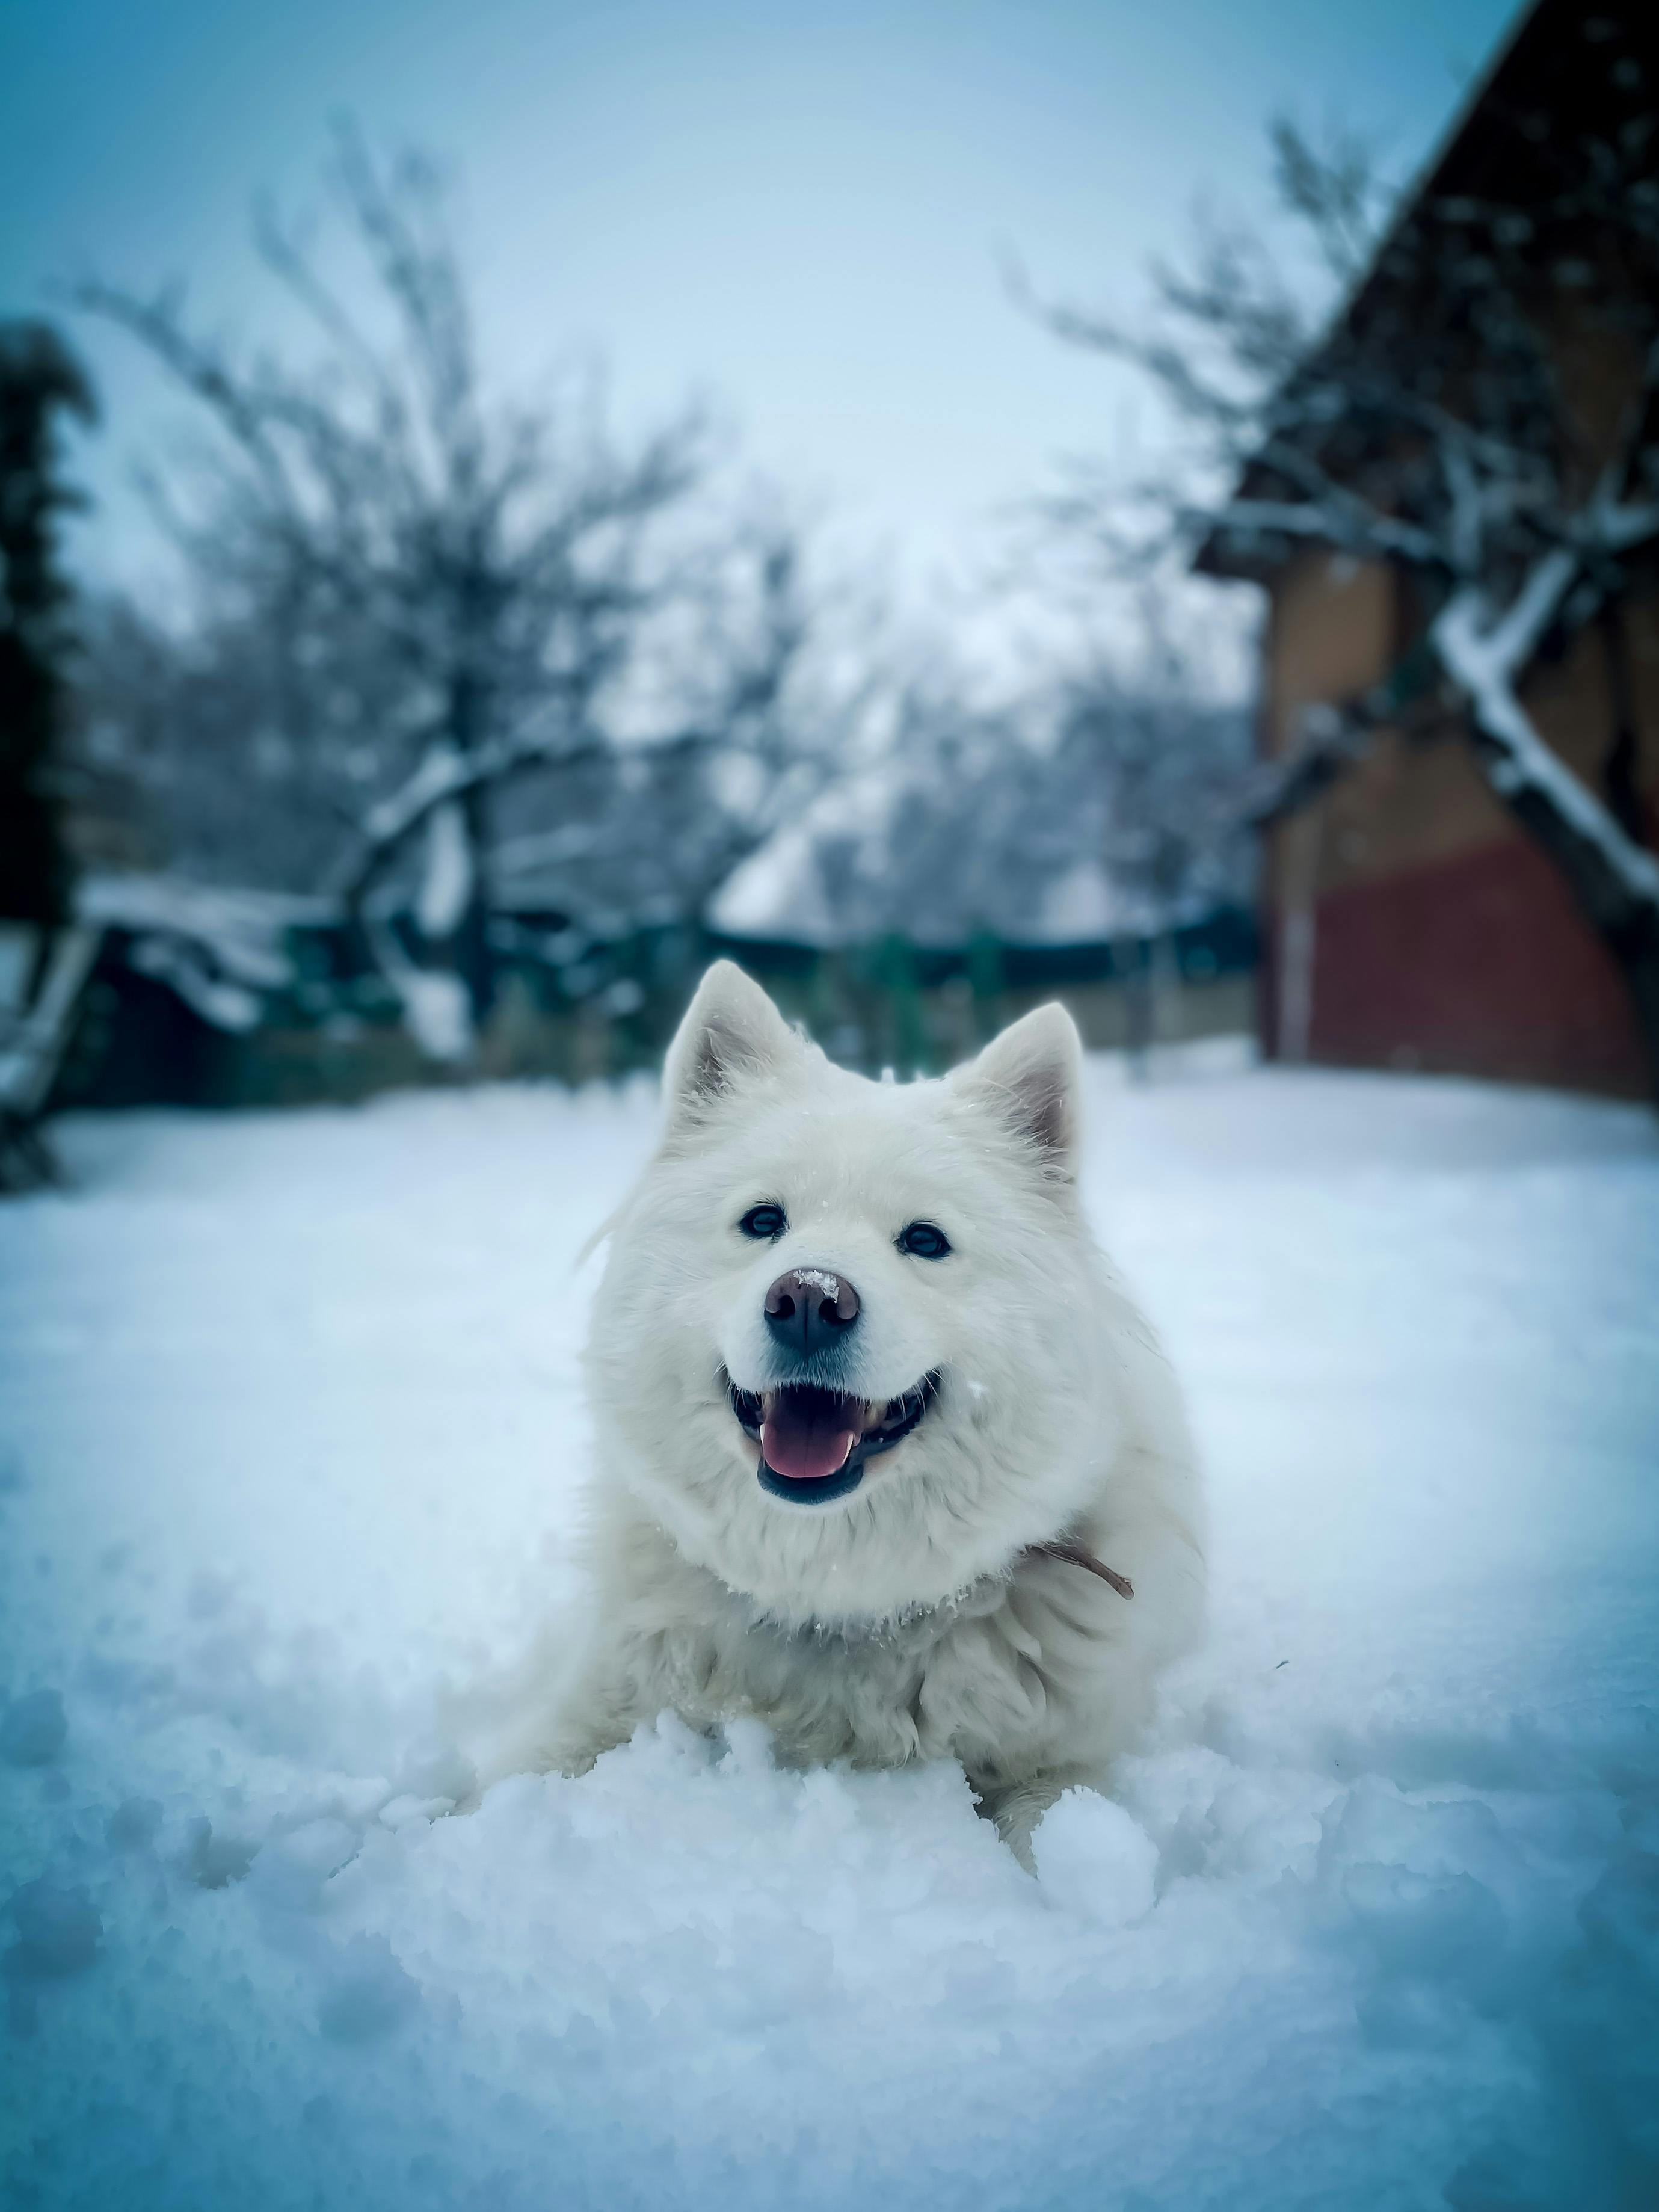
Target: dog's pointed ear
731	1033
1030	1076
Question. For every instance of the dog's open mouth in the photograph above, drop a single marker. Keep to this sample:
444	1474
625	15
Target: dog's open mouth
814	1442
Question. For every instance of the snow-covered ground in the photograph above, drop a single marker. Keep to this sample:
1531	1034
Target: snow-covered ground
289	1437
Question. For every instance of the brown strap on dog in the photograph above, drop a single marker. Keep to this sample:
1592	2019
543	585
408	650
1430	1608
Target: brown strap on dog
1074	1555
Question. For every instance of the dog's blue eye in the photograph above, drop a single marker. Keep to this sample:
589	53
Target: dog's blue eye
922	1240
764	1222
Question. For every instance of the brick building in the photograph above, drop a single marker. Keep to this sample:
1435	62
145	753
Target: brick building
1408	921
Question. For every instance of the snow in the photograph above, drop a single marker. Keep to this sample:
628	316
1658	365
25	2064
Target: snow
242	928
446	878
225	1005
437	1010
443	772
289	1430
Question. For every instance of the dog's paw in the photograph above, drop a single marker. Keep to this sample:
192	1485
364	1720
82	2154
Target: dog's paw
1016	1808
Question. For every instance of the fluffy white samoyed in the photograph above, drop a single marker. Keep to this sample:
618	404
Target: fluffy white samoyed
887	1456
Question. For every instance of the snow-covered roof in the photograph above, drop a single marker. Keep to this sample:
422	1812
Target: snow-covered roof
169	902
222	950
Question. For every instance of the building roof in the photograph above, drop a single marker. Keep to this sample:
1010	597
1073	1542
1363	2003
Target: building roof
1544	82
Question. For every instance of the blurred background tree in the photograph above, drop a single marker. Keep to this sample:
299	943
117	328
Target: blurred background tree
414	594
466	664
40	381
1467	396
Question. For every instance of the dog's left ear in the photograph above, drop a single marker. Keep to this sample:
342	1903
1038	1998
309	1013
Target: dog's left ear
1029	1077
731	1033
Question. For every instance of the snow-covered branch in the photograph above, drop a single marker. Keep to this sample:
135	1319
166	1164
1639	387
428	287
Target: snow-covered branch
1485	657
1345	529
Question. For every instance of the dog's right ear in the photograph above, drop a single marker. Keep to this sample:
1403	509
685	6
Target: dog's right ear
732	1034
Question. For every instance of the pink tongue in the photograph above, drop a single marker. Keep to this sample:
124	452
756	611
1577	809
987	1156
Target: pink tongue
801	1444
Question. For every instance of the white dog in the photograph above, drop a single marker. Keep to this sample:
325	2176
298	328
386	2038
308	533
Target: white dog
886	1455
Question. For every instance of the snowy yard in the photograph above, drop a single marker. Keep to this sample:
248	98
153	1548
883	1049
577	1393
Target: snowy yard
289	1434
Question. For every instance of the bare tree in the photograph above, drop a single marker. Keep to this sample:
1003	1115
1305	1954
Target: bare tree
451	591
1169	770
1172	766
1099	802
1448	424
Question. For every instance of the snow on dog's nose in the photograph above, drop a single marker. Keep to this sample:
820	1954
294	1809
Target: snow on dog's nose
809	1310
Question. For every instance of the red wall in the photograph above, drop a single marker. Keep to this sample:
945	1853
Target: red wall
1479	965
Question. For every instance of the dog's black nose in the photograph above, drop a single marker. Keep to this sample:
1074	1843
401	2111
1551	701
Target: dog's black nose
809	1308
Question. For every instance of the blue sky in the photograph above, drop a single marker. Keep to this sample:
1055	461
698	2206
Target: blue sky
796	210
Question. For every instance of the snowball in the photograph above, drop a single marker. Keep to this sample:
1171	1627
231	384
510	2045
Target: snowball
1092	1858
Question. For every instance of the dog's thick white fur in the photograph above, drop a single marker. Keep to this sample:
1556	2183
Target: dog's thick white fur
909	1620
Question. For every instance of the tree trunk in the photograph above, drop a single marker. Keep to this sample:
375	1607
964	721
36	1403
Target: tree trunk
1298	945
468	948
1621	775
1137	1004
38	380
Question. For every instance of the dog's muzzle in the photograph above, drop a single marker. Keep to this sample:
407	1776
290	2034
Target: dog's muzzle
815	1443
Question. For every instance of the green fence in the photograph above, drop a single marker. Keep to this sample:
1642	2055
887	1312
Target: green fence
575	1008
